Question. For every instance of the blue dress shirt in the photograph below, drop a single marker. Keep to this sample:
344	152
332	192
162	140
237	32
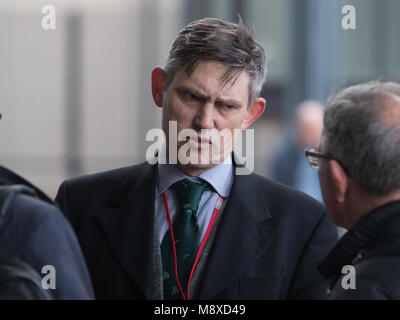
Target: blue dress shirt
220	178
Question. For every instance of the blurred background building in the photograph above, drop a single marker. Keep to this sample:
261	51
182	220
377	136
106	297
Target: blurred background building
77	99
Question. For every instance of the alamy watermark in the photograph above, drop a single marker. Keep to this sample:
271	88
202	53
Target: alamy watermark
207	147
349	20
349	279
49	19
49	279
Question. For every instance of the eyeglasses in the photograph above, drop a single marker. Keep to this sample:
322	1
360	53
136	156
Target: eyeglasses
314	156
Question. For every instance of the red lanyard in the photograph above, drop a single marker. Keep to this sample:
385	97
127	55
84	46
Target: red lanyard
203	242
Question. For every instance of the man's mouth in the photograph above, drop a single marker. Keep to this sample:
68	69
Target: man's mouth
199	142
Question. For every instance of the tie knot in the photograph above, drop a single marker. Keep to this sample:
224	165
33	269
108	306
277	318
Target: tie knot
189	193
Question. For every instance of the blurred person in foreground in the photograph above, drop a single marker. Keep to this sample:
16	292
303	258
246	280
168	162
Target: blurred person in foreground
198	230
358	161
34	237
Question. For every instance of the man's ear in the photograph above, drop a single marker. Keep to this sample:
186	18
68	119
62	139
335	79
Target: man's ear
157	85
254	112
339	180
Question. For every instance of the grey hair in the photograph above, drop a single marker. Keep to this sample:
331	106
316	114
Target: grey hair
356	133
228	43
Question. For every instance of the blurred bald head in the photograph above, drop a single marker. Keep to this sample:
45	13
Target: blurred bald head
309	123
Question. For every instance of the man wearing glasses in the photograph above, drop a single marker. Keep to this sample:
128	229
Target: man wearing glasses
358	162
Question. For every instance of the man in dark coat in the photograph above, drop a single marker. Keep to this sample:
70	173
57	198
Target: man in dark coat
200	229
359	170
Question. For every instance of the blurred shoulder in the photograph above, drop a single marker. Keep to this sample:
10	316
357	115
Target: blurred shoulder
26	214
28	206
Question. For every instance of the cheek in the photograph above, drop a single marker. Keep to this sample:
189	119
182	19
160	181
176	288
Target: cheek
231	121
181	112
327	195
241	119
323	184
173	111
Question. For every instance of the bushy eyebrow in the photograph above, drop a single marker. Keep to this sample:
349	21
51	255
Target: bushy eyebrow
197	92
203	96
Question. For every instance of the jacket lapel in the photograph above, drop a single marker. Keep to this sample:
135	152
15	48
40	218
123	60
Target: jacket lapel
129	226
245	232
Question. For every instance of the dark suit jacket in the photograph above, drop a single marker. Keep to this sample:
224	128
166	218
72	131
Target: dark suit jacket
268	243
38	234
372	247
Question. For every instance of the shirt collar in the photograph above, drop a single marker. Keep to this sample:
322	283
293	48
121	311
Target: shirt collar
219	177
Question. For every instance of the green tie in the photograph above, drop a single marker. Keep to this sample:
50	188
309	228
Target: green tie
186	235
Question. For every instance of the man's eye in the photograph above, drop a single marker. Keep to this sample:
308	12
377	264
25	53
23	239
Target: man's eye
191	96
228	107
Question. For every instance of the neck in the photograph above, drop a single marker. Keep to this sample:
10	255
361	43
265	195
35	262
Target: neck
193	171
365	203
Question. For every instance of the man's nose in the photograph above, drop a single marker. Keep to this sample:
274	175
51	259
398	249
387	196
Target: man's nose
204	118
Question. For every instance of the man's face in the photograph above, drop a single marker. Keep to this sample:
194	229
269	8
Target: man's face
203	101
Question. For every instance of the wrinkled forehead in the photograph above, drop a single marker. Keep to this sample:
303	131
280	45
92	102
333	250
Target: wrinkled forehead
227	75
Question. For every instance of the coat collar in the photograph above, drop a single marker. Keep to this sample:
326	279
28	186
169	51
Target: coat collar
219	177
361	236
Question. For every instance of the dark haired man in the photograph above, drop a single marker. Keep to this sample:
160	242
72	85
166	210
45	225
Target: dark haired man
194	229
359	171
